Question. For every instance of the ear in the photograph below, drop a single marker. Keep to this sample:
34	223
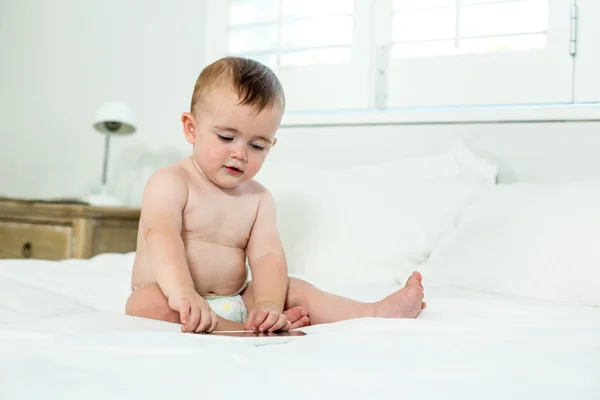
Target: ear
189	127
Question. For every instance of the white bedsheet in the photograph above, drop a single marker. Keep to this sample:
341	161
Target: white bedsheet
63	335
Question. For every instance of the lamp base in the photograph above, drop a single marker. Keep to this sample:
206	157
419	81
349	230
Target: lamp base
100	198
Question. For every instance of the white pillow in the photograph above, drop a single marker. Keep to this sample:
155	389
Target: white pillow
540	241
458	162
377	232
336	226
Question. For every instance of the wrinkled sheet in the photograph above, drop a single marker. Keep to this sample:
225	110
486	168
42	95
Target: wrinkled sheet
63	335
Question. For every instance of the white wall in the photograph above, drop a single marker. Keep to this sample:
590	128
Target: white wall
61	59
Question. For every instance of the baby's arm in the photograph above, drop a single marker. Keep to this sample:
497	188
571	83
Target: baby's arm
267	258
164	199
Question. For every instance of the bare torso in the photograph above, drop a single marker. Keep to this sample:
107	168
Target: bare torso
216	227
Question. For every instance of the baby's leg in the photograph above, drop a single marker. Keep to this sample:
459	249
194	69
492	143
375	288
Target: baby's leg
325	307
149	301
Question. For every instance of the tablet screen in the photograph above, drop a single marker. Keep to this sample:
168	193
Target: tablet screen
258	334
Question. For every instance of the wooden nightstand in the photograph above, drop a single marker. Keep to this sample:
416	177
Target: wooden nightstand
55	231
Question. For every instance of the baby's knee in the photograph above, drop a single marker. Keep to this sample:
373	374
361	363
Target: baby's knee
297	283
297	289
149	302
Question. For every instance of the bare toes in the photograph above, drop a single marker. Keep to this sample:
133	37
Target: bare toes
302	322
296	313
415	279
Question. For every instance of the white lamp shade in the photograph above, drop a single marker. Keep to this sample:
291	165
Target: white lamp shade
114	111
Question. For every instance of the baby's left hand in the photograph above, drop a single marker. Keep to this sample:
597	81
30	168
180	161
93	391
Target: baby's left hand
265	317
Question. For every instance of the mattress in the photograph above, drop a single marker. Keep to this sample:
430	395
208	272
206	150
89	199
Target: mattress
63	335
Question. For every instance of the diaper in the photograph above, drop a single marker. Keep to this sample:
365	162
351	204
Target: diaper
230	307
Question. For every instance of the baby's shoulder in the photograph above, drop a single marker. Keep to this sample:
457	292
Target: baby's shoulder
170	180
176	173
254	188
165	192
260	194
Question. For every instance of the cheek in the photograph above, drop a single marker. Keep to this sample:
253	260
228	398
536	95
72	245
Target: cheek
256	160
212	153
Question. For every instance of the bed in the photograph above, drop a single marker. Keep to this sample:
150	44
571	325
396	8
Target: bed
513	300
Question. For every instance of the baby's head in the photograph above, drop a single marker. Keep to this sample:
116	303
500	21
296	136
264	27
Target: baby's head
236	110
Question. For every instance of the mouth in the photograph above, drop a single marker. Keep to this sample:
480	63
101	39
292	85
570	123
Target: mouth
233	171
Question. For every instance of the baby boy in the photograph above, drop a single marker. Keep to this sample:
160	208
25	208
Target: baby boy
205	222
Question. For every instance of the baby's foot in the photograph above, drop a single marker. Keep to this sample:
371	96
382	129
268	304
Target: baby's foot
406	302
298	316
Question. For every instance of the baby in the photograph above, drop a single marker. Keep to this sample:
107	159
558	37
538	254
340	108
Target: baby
205	223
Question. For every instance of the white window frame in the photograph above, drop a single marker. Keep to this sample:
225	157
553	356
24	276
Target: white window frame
311	87
538	113
587	59
507	77
374	96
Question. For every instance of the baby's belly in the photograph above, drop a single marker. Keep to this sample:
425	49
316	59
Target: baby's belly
216	269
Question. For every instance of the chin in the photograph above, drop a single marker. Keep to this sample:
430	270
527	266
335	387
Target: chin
228	185
229	182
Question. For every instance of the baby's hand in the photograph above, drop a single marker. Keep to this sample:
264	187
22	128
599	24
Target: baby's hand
196	315
266	317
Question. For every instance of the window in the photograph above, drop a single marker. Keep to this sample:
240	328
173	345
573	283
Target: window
474	52
291	33
316	47
422	28
366	54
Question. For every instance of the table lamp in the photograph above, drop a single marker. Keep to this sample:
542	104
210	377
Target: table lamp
112	118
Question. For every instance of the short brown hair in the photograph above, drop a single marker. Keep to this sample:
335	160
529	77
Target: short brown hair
255	83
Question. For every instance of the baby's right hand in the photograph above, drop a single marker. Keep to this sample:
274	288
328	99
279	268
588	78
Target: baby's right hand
195	313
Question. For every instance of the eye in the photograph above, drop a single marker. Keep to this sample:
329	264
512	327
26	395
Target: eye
225	138
257	147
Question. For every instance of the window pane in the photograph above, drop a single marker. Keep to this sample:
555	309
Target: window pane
251	40
314	8
500	43
251	11
469	46
418	4
339	55
317	32
424	49
504	18
424	24
269	59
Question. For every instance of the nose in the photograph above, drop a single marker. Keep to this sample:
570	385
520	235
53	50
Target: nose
238	152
